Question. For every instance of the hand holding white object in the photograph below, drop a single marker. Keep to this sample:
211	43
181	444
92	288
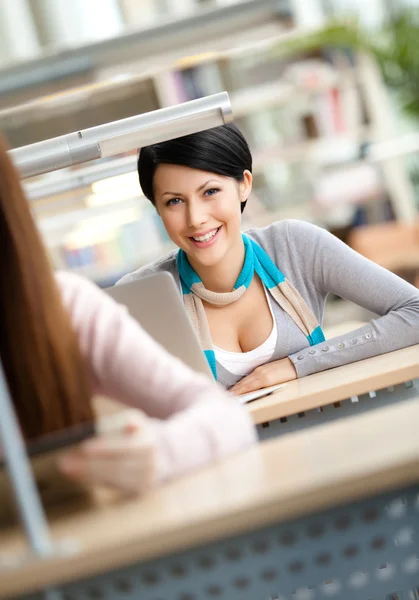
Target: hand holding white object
121	456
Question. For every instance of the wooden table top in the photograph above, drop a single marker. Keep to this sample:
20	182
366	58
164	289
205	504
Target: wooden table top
276	480
338	384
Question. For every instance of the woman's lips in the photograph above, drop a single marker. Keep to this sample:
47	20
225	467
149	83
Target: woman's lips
207	243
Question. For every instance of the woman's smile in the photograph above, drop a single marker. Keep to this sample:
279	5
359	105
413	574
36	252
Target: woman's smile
207	239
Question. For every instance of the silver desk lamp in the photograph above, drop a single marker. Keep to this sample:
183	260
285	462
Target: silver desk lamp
121	136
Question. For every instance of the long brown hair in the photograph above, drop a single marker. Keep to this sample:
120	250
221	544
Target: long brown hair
45	372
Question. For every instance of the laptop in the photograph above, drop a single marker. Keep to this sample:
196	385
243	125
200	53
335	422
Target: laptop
155	302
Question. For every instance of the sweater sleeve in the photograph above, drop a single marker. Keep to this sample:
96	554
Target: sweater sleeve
195	421
335	267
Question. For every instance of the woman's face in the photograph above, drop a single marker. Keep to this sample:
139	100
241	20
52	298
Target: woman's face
200	210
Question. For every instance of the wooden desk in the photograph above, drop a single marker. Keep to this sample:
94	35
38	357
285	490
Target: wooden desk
343	384
250	512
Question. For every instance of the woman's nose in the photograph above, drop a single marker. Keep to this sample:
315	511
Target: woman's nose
197	215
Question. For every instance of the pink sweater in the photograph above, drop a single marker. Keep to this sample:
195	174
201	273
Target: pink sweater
195	421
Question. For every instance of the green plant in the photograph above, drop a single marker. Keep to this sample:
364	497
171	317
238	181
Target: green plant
395	46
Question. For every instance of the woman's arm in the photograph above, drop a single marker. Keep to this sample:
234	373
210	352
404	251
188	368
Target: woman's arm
194	421
336	268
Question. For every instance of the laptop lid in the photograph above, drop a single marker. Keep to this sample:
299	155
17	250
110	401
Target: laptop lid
155	302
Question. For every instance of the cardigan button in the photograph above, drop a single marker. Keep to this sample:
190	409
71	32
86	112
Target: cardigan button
300	357
368	336
312	352
341	345
353	342
325	349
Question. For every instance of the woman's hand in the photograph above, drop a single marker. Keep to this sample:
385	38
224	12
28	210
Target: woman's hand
124	459
273	373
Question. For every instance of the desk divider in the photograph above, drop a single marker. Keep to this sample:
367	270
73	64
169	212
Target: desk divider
26	494
25	491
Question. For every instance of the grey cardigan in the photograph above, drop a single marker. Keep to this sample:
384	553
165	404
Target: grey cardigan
317	263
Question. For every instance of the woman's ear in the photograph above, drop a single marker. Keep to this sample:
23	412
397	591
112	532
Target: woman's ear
245	186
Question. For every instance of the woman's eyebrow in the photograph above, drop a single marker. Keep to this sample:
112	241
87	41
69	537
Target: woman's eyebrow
171	194
201	187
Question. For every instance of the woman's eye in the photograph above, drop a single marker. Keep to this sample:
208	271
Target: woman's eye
173	201
211	192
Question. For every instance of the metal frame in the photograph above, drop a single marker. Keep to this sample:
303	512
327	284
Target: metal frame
123	135
22	480
81	178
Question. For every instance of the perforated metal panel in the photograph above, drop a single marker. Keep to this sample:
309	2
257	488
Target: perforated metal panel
363	551
338	410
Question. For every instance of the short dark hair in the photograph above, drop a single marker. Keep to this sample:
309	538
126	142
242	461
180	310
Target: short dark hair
222	150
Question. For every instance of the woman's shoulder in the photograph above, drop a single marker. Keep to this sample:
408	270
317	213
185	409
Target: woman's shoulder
280	235
92	312
78	291
166	263
70	283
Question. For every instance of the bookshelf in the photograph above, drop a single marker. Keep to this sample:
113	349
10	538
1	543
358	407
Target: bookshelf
145	43
306	118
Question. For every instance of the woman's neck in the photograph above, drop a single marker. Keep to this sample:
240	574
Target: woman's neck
222	276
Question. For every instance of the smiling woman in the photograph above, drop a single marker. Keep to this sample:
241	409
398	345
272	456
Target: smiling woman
257	299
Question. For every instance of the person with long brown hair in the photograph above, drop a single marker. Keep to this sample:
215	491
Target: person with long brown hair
62	340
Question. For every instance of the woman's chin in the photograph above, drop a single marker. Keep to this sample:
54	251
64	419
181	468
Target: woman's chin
209	257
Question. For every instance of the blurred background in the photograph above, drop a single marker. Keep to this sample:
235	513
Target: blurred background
326	92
